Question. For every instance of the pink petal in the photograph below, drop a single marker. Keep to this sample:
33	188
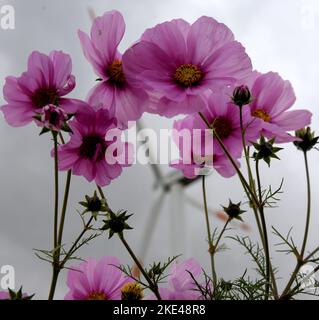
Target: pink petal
293	120
18	115
62	65
230	62
206	35
190	105
130	103
72	105
102	96
147	56
272	94
106	34
271	130
169	37
91	54
102	175
41	66
84	167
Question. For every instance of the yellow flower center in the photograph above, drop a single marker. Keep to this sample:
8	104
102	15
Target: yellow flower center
262	114
97	296
222	127
188	75
132	291
116	74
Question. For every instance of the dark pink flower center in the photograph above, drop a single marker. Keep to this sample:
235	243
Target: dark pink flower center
97	296
45	96
222	127
115	73
93	148
188	75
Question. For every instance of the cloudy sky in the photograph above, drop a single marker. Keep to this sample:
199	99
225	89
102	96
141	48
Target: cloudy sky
279	35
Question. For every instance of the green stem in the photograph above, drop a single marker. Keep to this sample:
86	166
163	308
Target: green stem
312	254
301	260
243	130
101	192
153	286
291	280
304	243
56	192
264	226
54	281
247	188
64	206
56	258
55	263
250	175
210	240
241	177
221	233
250	193
315	270
70	252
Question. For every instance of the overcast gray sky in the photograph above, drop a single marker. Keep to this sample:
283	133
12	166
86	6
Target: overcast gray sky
279	35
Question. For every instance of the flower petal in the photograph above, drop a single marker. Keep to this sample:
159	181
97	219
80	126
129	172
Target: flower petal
206	35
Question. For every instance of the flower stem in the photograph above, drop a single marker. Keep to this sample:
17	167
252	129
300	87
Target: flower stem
71	250
304	243
209	235
57	249
221	233
246	186
315	270
243	131
101	192
264	226
301	260
64	206
56	192
55	262
153	286
251	194
54	281
250	175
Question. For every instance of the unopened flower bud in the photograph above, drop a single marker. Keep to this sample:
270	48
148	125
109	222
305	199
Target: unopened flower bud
233	210
53	117
116	223
265	150
94	205
241	96
306	139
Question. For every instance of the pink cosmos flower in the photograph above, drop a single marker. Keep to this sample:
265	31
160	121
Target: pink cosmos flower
272	97
96	280
95	150
180	285
180	62
4	295
219	162
46	81
197	151
224	116
52	117
116	92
